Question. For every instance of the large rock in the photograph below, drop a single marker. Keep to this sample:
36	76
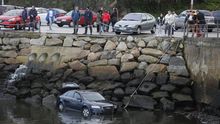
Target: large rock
141	43
8	47
127	57
130	38
77	66
134	82
162	78
25	40
125	77
148	59
142	65
167	104
139	73
79	74
11	61
38	42
68	42
182	98
129	90
98	63
114	62
108	54
168	87
49	101
135	52
160	94
152	43
87	39
122	46
128	66
152	52
1	42
104	72
94	56
98	41
140	101
165	59
12	41
53	42
146	88
24	52
35	100
179	80
165	45
95	48
79	43
119	92
110	45
9	54
104	85
86	80
155	68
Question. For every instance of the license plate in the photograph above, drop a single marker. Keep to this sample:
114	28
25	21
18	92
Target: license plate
123	28
58	21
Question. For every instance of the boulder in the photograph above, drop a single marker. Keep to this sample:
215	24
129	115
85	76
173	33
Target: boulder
67	73
182	98
177	61
142	65
165	45
49	101
148	39
79	74
155	68
38	42
152	43
87	46
25	40
128	66
130	38
140	101
104	85
150	77
129	90
148	59
98	63
68	42
93	56
22	46
11	41
141	43
118	55
160	94
35	91
146	88
24	52
98	41
126	76
122	46
134	83
180	81
10	61
8	47
119	92
152	52
168	87
9	54
127	57
139	73
110	45
104	72
186	90
135	52
165	59
86	80
162	78
1	42
87	39
95	48
167	104
77	65
35	100
114	62
79	43
131	45
53	42
108	54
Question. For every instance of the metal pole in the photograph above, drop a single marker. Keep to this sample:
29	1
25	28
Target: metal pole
191	5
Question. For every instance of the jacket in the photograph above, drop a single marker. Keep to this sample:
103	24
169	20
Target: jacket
24	14
33	14
114	17
75	15
106	17
88	16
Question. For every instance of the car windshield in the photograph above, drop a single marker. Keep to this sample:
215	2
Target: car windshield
132	17
69	13
93	96
206	13
216	13
13	13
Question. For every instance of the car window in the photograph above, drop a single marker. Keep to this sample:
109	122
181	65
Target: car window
42	10
144	17
13	13
77	96
69	13
93	96
149	17
70	94
132	17
216	14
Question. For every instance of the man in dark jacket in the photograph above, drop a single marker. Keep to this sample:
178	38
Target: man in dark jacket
24	17
75	18
114	17
201	20
32	15
88	20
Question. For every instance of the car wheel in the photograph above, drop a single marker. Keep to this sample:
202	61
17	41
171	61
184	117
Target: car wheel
139	30
61	107
60	25
209	30
153	30
117	33
86	112
71	24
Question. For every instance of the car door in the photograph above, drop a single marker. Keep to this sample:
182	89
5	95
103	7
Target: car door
78	101
150	22
67	99
180	20
144	24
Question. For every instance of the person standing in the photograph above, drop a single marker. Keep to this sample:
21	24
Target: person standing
24	17
32	15
50	16
114	17
88	20
169	21
160	23
99	22
75	18
201	20
173	19
106	20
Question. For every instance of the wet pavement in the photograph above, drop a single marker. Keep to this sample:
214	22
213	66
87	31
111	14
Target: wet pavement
22	113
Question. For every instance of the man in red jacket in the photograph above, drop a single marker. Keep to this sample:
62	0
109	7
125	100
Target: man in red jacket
106	17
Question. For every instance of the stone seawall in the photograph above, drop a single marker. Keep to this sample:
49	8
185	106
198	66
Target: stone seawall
114	66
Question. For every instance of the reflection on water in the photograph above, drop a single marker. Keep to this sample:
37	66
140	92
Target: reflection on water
21	113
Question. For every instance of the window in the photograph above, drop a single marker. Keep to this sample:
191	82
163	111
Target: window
69	94
77	96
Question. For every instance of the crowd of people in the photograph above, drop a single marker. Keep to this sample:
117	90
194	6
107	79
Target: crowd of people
32	14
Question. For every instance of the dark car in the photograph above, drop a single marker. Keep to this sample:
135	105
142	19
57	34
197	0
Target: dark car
87	102
216	15
67	19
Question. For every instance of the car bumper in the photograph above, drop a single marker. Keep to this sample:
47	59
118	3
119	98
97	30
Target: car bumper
7	25
62	22
126	30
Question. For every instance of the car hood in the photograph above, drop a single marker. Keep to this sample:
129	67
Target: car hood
63	17
101	103
124	23
7	17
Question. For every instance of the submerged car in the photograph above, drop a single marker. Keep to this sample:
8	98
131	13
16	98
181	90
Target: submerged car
13	19
67	19
87	102
136	23
209	18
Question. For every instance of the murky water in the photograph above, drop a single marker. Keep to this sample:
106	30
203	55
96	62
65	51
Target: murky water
21	113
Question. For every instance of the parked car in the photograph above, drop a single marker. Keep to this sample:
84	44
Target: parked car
136	23
180	19
42	13
87	102
67	19
5	8
216	15
13	19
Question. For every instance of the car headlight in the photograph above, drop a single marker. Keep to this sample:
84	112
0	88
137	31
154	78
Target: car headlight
11	20
131	26
95	107
63	20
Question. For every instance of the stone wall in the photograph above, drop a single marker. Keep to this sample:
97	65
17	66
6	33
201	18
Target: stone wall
114	66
